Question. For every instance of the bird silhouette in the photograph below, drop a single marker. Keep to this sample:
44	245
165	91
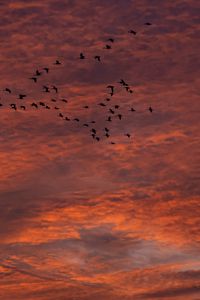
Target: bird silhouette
97	138
119	116
13	106
55	89
116	106
97	57
107	99
111	87
109	119
82	56
47	107
53	100
34	79
56	107
111	111
107	47
61	115
102	104
113	143
67	119
34	105
42	103
85	125
128	135
106	129
93	130
150	109
64	100
132	32
21	96
132	109
86	106
111	40
76	119
46	70
107	135
57	62
147	23
46	89
7	90
37	73
23	107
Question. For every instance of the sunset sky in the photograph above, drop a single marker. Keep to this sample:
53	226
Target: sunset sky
82	219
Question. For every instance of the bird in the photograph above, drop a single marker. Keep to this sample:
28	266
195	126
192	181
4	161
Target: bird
107	47
93	130
47	107
128	135
64	100
147	23
111	111
111	40
112	89
55	88
116	106
107	135
109	119
67	119
13	106
119	116
122	82
106	129
97	138
53	100
61	115
42	103
34	105
150	109
57	62
76	119
82	56
37	73
46	89
23	107
97	57
46	70
21	96
113	143
1	104
56	107
85	125
7	90
107	99
132	109
102	104
86	106
132	31
34	79
93	122
93	135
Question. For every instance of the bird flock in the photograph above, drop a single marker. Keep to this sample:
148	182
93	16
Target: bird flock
113	110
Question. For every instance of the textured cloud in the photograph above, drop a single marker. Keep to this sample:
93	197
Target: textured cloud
85	220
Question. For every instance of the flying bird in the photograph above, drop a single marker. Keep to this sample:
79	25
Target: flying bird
34	79
76	119
119	116
57	62
46	89
21	96
97	57
102	104
132	32
23	107
38	73
34	105
111	40
61	115
147	23
82	56
150	109
55	89
7	90
64	100
67	119
128	135
107	47
13	106
46	70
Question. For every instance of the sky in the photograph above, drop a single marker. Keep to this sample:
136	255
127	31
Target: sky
82	219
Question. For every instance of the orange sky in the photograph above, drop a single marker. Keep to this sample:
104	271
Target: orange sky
88	220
